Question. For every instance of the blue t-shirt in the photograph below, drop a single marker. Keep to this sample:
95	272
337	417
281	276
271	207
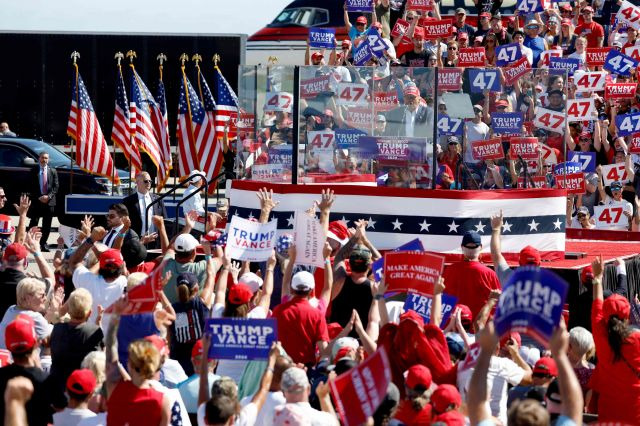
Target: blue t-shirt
133	327
189	323
537	47
354	33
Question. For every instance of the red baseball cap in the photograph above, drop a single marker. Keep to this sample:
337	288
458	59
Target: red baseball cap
338	231
529	256
81	382
159	343
565	22
566	6
413	316
616	305
585	135
444	396
465	312
20	334
411	90
111	257
546	365
15	252
513	335
240	294
418	32
418	375
317	55
587	274
487	14
196	350
451	418
342	352
587	9
346	44
361	20
502	102
334	329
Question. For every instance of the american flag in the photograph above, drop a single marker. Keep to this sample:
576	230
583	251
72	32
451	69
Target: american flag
209	149
92	152
191	116
438	218
121	130
163	133
146	119
227	105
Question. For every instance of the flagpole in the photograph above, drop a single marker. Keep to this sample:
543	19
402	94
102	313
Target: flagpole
131	54
161	58
118	57
74	57
183	58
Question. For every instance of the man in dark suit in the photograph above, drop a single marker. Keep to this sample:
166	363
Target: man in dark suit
411	120
116	226
44	187
137	204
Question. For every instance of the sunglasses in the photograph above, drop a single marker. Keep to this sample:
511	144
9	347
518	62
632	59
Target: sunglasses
541	375
585	140
146	181
359	25
452	48
582	216
3	196
111	216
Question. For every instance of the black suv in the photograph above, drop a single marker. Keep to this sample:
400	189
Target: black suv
18	156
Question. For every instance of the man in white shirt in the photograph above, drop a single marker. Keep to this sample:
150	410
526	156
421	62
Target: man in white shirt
194	203
275	397
137	204
80	386
108	284
476	130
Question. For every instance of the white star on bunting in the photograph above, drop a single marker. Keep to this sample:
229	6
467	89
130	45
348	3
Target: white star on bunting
533	226
371	223
453	227
424	226
397	225
290	220
480	227
557	224
506	226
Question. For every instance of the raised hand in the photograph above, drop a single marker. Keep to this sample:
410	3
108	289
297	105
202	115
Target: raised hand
24	205
266	199
327	199
496	221
598	266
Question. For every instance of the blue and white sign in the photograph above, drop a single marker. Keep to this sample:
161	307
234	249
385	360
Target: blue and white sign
241	338
378	266
483	79
507	123
508	53
619	63
281	154
564	64
367	147
567	168
378	46
359	5
421	304
531	302
252	241
348	138
628	124
530	6
323	38
586	159
449	126
362	54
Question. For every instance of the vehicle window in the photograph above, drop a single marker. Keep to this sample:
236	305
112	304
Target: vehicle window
11	156
56	158
299	16
285	16
321	17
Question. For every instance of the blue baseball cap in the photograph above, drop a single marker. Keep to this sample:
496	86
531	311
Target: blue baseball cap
471	237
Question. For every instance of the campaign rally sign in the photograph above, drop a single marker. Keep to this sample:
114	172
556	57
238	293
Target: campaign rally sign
581	109
619	63
629	14
586	159
449	126
399	150
614	173
516	70
359	117
378	46
564	64
596	56
507	54
610	217
589	81
546	56
527	148
471	57
421	304
422	5
417	271
314	86
385	101
359	5
534	181
320	139
530	6
309	237
378	266
241	338
633	52
281	154
145	296
348	138
620	91
567	167
252	241
549	120
367	147
323	38
359	391
352	94
634	146
507	123
362	53
628	124
267	172
438	29
531	302
487	150
574	183
400	28
484	79
449	79
278	101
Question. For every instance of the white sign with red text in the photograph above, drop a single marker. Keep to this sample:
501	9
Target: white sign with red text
549	120
278	101
352	94
610	217
629	14
614	172
589	81
581	110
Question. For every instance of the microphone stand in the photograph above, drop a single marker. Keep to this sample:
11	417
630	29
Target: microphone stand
525	168
466	169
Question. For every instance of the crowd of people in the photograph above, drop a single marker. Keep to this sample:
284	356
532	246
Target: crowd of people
74	354
401	107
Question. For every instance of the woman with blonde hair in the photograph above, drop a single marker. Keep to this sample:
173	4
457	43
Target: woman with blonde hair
566	39
131	399
96	362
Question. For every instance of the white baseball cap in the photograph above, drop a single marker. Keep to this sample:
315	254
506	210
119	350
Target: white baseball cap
303	280
193	173
251	280
185	243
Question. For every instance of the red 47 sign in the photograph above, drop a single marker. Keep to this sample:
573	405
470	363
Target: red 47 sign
590	81
634	146
629	14
320	139
614	172
278	101
549	120
352	94
608	217
581	110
